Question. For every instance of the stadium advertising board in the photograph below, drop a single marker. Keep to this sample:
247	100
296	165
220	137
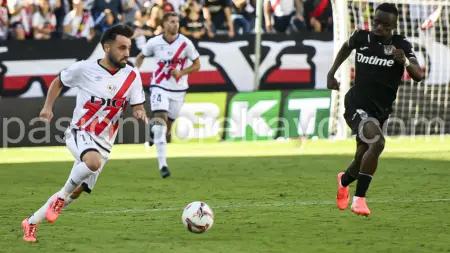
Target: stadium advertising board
253	115
287	62
201	118
306	114
21	127
205	117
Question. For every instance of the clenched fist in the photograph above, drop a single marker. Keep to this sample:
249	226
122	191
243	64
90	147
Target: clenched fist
399	56
332	83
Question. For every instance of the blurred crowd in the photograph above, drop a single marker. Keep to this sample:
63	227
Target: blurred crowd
72	19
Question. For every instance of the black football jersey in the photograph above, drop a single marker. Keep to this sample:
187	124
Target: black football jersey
377	75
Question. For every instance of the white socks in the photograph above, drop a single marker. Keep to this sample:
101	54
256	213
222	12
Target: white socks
160	141
39	215
79	173
161	150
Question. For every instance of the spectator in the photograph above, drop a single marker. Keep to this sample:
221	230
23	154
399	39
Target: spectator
319	15
21	12
3	21
192	25
142	21
283	13
99	7
44	21
216	12
79	23
242	15
60	9
54	4
108	19
157	12
178	4
129	8
89	5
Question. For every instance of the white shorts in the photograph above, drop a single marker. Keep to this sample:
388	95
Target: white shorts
169	101
79	142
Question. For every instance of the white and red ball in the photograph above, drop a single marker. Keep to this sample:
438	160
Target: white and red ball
197	217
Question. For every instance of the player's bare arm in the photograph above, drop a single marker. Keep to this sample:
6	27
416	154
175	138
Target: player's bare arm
193	68
411	64
342	55
140	113
139	60
53	92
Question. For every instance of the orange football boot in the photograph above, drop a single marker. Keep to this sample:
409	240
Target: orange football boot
343	194
359	207
54	209
30	231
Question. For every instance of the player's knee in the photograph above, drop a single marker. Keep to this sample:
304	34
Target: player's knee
378	145
94	164
92	160
160	118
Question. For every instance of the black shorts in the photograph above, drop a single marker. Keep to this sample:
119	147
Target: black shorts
357	116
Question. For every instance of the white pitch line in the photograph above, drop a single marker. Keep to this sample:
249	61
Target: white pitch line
74	212
244	205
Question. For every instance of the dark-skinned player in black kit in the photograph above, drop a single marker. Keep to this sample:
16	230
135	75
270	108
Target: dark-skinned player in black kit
380	61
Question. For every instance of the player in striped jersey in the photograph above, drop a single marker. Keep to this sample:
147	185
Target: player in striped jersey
105	88
169	84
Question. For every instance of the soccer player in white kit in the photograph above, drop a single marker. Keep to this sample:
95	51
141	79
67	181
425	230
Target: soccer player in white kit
169	82
105	87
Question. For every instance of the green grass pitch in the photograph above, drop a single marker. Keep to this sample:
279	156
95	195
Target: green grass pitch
266	197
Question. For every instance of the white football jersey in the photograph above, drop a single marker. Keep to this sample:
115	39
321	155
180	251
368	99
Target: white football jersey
170	55
101	98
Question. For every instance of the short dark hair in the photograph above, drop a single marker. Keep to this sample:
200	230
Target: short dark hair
389	8
167	15
112	32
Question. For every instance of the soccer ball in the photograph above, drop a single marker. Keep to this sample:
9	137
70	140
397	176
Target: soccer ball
197	217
